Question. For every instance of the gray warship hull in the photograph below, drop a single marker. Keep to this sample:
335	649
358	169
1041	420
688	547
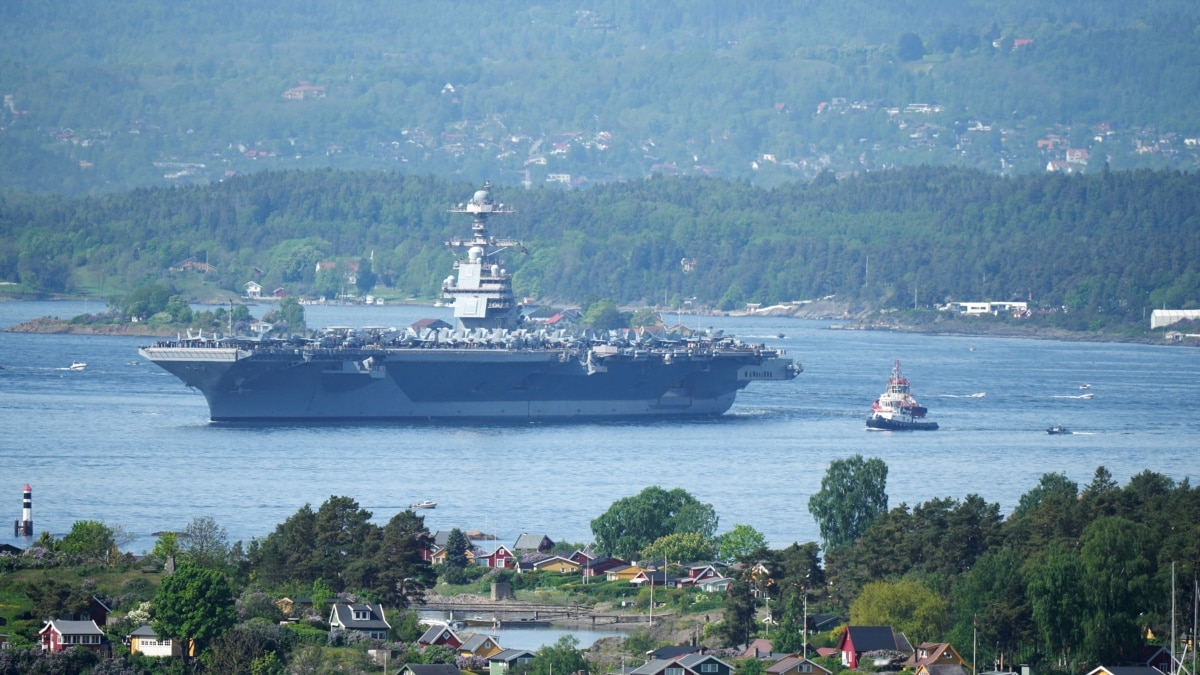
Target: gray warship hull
255	384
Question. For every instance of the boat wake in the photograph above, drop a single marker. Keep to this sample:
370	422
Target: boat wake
1080	396
978	394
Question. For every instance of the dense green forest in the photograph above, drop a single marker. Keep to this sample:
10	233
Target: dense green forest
150	92
1077	576
1104	247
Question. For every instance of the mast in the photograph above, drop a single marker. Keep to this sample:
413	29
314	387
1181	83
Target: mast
482	293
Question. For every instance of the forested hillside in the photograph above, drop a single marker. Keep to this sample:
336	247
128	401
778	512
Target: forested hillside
1106	246
148	92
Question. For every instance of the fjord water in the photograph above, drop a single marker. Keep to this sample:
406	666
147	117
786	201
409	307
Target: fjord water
130	445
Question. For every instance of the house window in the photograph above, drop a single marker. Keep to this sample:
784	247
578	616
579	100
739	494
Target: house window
674	671
708	667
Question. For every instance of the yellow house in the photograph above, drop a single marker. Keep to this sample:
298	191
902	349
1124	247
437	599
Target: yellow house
439	558
145	641
935	654
557	564
626	573
477	644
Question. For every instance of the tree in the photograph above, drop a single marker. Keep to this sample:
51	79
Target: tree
741	541
52	598
1054	584
1050	484
562	657
344	537
853	493
456	549
990	604
89	540
909	47
165	547
603	315
737	623
404	574
633	523
204	543
680	547
1117	573
907	605
194	604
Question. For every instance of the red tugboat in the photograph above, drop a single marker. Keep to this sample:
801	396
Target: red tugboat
896	409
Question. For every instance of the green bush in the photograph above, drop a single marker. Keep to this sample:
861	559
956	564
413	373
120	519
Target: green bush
308	634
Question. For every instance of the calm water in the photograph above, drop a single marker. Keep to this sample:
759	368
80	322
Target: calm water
130	445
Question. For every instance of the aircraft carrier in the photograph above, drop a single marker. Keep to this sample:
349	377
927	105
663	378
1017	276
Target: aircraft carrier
495	365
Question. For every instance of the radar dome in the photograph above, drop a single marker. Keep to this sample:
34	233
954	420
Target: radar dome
482	196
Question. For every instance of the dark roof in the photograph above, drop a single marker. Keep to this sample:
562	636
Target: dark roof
434	632
823	622
872	638
345	615
432	669
671	652
510	655
145	630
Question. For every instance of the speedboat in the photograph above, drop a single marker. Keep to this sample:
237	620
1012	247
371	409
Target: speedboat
78	365
426	504
1058	430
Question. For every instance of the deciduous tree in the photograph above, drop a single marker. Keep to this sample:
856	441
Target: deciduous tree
853	493
194	604
633	523
907	605
741	541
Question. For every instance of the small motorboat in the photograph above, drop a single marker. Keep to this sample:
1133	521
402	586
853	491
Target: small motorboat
1085	386
1058	430
426	504
78	365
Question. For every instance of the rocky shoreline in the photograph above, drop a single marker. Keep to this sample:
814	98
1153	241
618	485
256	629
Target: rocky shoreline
55	326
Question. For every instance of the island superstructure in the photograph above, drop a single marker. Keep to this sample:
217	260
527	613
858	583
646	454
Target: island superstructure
493	366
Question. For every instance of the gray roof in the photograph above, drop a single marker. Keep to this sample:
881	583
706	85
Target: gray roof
473	641
652	667
530	542
510	655
73	627
144	631
434	632
345	616
691	661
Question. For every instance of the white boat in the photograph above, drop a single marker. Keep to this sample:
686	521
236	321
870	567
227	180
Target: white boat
427	504
78	365
896	409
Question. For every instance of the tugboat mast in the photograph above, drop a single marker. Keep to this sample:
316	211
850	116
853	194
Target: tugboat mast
482	294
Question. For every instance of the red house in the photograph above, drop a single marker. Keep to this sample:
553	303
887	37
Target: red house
501	559
59	634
